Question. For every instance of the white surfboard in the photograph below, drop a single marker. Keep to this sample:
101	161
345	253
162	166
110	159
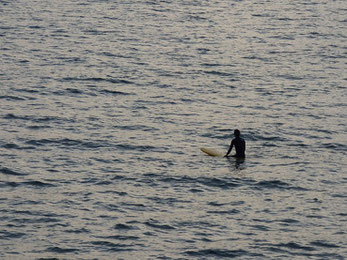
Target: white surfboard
212	152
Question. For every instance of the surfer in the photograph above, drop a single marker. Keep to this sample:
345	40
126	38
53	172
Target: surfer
240	145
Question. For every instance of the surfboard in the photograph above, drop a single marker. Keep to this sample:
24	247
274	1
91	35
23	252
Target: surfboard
212	152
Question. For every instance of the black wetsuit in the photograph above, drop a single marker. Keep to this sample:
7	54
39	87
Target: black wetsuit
240	147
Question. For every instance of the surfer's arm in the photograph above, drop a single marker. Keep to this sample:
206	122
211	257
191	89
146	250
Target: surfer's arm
230	148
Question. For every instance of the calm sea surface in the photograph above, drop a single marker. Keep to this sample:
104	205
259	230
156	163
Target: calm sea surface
105	104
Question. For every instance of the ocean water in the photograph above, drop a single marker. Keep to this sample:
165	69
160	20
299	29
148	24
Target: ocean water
105	104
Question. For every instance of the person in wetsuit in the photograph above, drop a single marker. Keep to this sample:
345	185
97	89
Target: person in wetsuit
240	145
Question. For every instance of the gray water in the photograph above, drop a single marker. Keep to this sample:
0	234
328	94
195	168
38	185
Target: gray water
105	104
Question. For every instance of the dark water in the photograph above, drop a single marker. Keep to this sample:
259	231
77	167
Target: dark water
105	104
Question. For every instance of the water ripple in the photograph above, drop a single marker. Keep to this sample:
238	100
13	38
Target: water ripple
104	105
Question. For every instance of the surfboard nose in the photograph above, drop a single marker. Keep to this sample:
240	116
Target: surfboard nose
211	152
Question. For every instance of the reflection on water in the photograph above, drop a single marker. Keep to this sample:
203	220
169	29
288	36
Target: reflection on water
104	106
237	163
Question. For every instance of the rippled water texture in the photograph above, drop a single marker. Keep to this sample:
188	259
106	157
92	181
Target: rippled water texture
105	104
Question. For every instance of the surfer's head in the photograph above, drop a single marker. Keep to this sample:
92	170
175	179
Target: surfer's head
237	132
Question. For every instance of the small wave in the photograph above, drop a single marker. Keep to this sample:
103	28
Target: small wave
289	77
38	127
220	73
293	245
72	59
335	146
288	221
109	246
12	116
78	231
201	225
66	142
215	182
134	206
216	204
109	54
10	146
96	79
137	127
260	227
38	220
61	250
95	32
26	90
15	98
167	201
228	212
103	183
273	139
74	91
141	148
9	184
122	238
195	190
10	235
253	57
8	171
123	227
31	118
15	146
276	184
155	224
115	93
38	184
220	253
339	196
211	64
320	243
210	182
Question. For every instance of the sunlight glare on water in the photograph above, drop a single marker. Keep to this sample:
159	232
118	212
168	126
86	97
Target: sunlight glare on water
105	106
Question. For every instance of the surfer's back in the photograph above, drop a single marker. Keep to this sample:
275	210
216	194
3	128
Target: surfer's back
240	146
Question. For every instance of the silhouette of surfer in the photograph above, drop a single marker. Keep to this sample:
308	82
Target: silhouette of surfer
240	145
